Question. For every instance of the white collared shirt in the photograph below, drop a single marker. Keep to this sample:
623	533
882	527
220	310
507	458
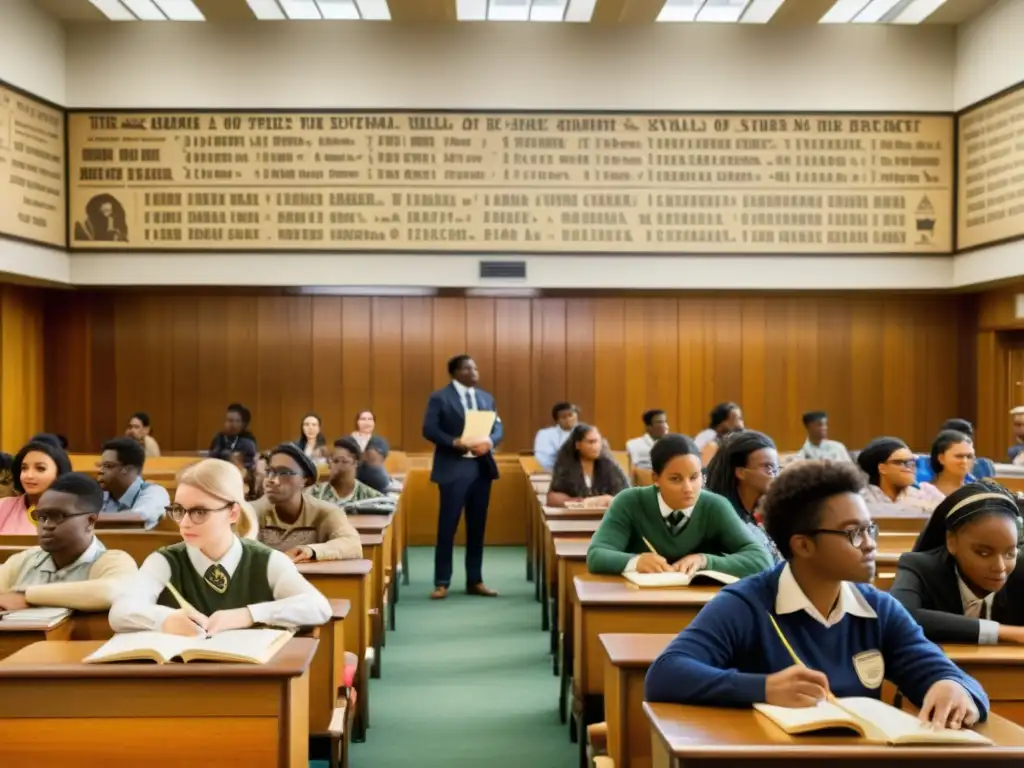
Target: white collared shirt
463	390
639	450
828	450
979	608
297	603
791	599
40	569
665	510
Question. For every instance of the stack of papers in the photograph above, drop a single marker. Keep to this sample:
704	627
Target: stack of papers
46	617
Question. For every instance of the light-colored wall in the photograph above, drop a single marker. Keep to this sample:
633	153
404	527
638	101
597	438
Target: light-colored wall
542	66
32	58
989	53
512	66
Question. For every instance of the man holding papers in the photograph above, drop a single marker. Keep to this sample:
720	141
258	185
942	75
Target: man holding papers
462	423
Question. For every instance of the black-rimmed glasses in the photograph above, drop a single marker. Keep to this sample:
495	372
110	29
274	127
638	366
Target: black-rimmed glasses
197	515
856	536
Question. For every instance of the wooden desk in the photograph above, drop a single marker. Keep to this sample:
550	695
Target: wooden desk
350	580
120	520
13	639
626	660
1000	670
562	513
327	672
373	550
55	710
889	523
610	604
896	541
387	526
705	736
8	551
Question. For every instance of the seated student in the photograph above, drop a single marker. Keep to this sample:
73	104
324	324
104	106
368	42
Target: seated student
372	470
1017	449
34	468
550	439
231	581
138	429
741	472
981	468
120	475
302	527
70	568
6	476
311	437
639	448
236	426
725	419
585	469
850	635
342	486
951	461
243	456
953	581
817	445
889	465
366	423
690	529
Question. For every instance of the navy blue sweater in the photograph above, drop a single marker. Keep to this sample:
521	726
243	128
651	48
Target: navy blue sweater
723	657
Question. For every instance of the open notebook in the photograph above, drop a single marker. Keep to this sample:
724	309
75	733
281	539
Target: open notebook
673	579
875	720
252	646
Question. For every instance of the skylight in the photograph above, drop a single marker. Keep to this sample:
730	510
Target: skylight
720	11
525	10
881	11
149	10
317	10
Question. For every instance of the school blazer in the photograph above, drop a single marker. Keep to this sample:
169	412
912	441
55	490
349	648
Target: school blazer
443	422
926	586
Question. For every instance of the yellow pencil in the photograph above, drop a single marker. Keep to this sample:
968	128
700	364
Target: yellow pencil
182	602
792	653
649	545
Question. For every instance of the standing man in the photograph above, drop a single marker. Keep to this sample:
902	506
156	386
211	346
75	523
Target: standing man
463	472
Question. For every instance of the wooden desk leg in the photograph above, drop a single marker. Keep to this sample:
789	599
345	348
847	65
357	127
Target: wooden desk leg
392	613
660	756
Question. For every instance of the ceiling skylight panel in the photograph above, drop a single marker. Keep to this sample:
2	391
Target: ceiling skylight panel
680	10
761	11
548	10
374	10
302	10
917	11
180	10
145	10
580	10
844	11
113	10
266	10
338	9
722	11
876	11
508	10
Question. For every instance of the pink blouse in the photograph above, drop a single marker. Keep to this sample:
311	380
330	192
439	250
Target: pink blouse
14	517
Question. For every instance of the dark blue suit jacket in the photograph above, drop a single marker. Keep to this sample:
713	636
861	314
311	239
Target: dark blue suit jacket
443	422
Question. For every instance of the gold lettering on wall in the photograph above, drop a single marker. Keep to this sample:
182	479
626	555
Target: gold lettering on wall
529	182
32	202
990	178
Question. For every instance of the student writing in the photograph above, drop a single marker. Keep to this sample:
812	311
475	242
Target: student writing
70	568
954	582
689	528
230	580
850	635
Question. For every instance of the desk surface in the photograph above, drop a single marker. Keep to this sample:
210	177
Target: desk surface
572	526
336	568
572	549
339	608
719	732
561	513
64	660
980	655
371	539
633	650
120	520
10	626
615	590
371	523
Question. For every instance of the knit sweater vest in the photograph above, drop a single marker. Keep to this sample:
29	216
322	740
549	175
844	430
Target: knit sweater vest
247	586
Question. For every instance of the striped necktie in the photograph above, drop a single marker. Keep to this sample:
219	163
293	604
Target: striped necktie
674	520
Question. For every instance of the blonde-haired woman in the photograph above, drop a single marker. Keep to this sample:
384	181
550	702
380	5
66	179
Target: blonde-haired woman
229	579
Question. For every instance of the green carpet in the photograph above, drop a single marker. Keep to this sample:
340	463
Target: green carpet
467	681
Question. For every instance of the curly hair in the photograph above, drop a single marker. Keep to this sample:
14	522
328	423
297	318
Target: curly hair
794	502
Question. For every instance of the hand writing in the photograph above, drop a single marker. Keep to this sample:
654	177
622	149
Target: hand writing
222	621
796	686
186	623
690	564
651	562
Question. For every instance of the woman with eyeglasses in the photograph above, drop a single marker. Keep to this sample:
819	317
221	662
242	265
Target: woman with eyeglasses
33	470
303	527
951	460
741	471
800	632
953	581
342	486
891	469
228	580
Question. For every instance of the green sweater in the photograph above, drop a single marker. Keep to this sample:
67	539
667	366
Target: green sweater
714	530
248	586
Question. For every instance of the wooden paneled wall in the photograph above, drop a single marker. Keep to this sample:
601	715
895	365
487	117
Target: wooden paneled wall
878	364
21	365
1000	369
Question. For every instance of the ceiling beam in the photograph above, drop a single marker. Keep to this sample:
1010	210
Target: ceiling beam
641	11
422	10
225	10
801	11
959	11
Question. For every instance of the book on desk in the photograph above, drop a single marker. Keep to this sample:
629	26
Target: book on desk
676	579
35	617
245	646
875	720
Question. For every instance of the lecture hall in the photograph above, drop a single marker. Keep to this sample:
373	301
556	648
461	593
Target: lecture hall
552	383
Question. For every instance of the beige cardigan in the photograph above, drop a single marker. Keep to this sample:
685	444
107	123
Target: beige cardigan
110	572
